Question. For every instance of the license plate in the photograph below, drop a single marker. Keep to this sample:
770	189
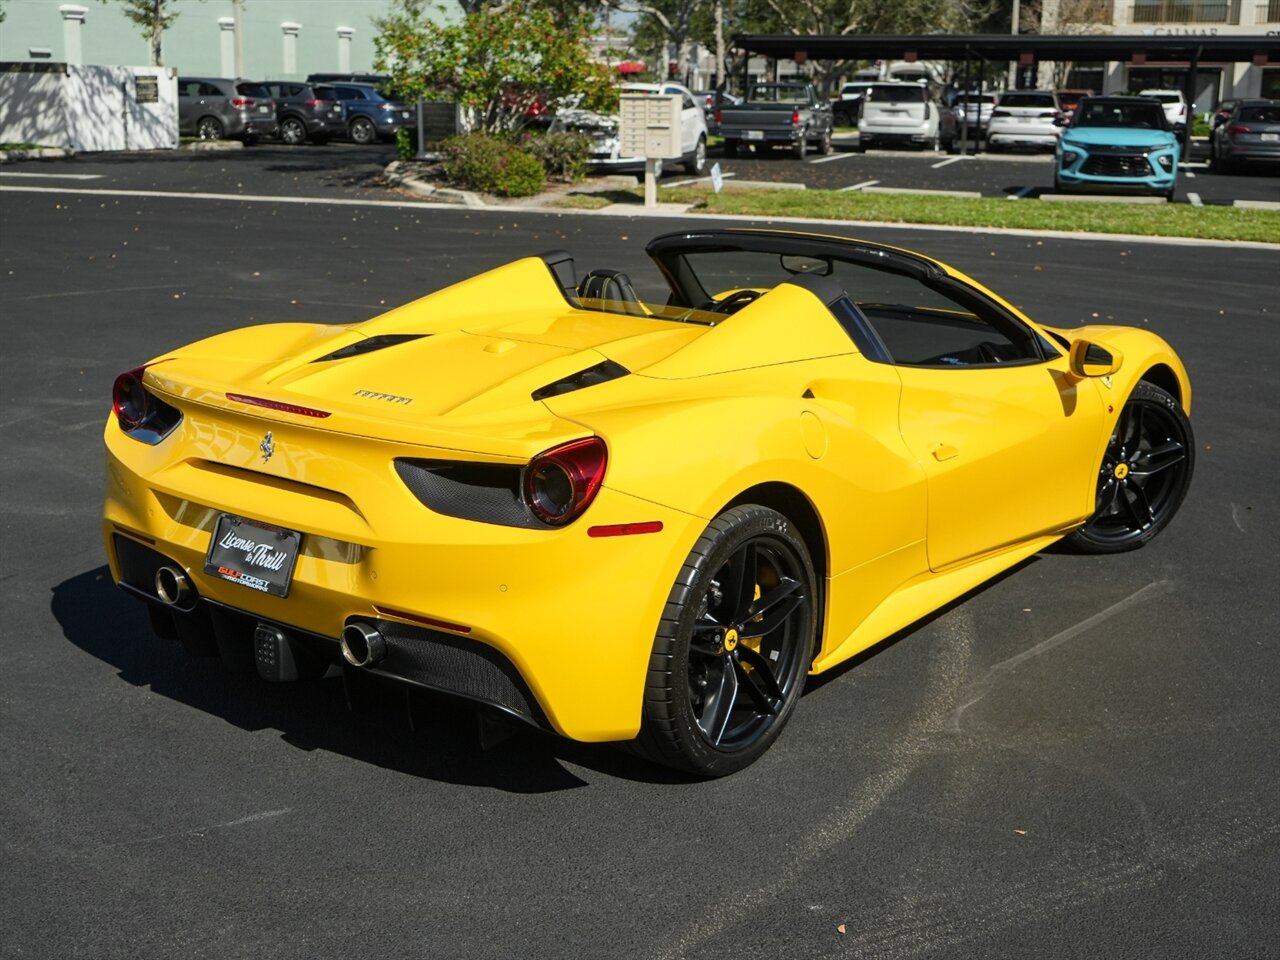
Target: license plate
755	134
255	555
264	109
1271	136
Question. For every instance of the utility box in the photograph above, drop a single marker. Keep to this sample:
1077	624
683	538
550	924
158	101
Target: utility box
649	126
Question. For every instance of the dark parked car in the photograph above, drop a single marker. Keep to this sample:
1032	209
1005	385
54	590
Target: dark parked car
370	116
212	108
1250	134
307	111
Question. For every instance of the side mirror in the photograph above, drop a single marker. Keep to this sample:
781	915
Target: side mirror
1093	359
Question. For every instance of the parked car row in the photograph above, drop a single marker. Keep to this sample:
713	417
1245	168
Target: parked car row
214	108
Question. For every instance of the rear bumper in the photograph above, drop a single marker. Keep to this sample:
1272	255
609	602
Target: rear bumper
566	618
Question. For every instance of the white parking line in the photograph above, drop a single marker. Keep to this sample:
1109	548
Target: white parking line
832	156
943	163
689	183
1021	193
1194	199
1190	174
54	176
859	186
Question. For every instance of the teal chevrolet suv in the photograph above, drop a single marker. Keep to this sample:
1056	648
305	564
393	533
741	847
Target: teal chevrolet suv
1117	145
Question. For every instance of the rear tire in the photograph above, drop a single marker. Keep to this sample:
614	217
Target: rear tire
824	144
210	128
800	147
1144	476
293	131
697	162
362	131
733	647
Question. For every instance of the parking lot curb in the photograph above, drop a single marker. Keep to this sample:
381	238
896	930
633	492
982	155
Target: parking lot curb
397	176
36	153
212	146
1098	198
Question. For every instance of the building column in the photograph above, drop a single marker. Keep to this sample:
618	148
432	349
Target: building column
290	31
344	49
227	39
72	21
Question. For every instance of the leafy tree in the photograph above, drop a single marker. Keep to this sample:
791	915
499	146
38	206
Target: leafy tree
154	17
498	63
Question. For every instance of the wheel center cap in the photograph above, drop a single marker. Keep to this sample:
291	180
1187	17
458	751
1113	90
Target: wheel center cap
730	640
1121	471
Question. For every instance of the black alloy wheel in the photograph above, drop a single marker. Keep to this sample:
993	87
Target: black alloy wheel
1144	476
734	646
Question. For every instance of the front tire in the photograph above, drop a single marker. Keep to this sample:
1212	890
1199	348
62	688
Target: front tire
733	647
824	144
800	147
1144	476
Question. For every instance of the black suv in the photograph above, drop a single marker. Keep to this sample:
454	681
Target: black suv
369	115
307	111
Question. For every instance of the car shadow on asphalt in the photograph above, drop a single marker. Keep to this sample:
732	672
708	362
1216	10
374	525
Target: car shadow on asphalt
313	715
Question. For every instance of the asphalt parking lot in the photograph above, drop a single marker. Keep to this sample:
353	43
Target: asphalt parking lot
1077	760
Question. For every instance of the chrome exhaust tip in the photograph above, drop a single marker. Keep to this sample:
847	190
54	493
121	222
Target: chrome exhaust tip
362	645
174	589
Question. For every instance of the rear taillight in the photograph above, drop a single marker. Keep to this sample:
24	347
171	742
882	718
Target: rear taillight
560	483
318	103
140	413
243	102
719	119
1238	128
795	118
999	113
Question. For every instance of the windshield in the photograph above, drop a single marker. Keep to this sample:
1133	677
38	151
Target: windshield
1112	113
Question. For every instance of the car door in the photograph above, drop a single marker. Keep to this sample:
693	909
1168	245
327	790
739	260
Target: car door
691	124
1008	439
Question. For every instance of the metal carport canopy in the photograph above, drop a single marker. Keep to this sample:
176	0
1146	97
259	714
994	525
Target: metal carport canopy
1081	48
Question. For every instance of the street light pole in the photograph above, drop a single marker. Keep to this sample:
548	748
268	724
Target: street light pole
1013	29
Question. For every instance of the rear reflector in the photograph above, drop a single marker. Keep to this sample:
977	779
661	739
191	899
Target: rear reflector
278	405
625	529
416	618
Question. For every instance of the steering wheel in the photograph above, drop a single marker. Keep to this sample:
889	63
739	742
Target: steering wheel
734	302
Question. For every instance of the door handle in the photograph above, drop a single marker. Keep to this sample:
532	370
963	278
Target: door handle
944	451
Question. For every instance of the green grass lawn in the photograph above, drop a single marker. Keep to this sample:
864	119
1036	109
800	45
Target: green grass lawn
1162	220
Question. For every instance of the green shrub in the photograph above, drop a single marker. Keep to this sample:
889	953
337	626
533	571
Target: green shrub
406	144
478	161
564	156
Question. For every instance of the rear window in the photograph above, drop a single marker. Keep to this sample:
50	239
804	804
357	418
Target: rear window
896	93
1027	100
777	93
252	90
1165	97
1263	114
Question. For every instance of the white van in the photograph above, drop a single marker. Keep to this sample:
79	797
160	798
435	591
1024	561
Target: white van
898	113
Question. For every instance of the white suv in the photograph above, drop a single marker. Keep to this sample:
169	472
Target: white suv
1025	118
1174	103
897	113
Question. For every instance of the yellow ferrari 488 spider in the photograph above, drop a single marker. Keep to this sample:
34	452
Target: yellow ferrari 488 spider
627	519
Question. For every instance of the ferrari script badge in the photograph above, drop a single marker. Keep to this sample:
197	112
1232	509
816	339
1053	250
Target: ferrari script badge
267	446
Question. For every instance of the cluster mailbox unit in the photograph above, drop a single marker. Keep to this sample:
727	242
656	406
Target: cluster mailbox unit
649	127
